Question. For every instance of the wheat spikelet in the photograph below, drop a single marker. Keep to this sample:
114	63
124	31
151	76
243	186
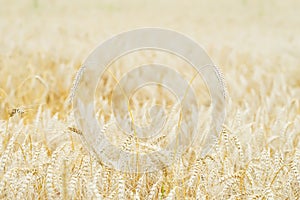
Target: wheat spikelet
75	84
221	80
296	192
194	172
24	186
248	174
95	183
266	160
6	155
49	184
225	134
73	183
121	187
239	147
154	188
157	141
129	143
84	175
64	180
294	164
139	186
277	161
236	141
60	179
50	177
105	183
6	177
114	189
36	153
74	174
12	183
287	189
230	180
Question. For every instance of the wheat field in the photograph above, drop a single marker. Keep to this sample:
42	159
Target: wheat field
255	43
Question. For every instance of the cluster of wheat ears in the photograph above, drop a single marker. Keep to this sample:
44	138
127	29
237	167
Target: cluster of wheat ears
43	44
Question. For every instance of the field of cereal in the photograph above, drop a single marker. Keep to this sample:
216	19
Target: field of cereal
256	45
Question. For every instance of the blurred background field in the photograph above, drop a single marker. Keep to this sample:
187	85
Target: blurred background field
255	43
